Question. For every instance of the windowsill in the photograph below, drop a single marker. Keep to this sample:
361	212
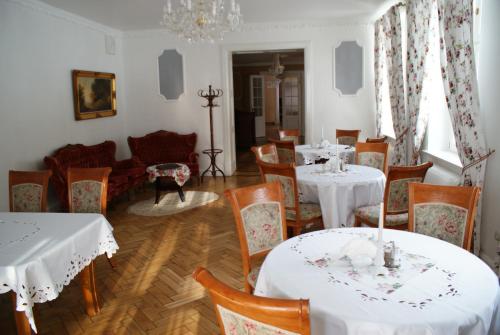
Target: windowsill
445	158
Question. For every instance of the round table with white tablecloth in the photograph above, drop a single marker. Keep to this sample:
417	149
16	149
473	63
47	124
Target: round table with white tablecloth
340	193
307	154
439	289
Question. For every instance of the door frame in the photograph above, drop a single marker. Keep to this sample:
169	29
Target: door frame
229	142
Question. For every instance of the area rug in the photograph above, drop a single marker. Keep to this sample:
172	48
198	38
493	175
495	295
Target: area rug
170	203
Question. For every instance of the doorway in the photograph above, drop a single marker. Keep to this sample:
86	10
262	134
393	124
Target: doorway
268	93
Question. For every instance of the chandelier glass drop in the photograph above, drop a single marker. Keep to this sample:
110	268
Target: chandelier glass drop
201	20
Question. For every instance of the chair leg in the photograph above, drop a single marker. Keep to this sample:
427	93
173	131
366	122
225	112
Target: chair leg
357	222
89	292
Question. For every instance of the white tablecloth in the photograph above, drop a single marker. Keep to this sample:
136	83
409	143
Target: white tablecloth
340	193
444	289
40	253
306	154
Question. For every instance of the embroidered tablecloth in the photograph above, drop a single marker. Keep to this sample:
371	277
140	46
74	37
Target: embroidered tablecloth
180	174
40	253
440	289
306	154
340	193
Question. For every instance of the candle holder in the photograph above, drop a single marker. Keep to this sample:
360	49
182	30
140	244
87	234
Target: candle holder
210	95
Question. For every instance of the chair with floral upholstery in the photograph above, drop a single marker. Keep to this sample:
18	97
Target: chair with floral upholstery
395	198
298	215
444	212
266	153
28	190
376	139
347	137
290	135
261	223
88	190
286	150
374	155
242	313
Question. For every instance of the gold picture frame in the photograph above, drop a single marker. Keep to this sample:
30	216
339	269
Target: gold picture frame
94	94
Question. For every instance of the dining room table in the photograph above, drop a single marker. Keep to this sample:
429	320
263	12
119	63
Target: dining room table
307	154
437	289
340	193
40	253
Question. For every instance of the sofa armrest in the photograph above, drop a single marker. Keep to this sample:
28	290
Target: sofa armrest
193	157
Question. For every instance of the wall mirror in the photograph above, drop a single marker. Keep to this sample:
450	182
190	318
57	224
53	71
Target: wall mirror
348	68
171	74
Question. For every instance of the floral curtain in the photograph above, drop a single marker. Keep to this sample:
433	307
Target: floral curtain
380	70
460	85
394	52
419	17
389	79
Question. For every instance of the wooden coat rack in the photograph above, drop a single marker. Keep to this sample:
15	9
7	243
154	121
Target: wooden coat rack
210	95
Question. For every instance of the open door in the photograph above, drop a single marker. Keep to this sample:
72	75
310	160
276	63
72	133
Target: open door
257	104
291	96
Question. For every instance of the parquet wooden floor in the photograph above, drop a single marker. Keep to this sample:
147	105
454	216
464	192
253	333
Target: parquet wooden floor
151	290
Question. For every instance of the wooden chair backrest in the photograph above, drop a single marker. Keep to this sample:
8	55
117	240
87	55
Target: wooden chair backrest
39	178
287	171
99	175
342	134
285	149
290	316
376	139
290	135
266	153
463	197
382	148
396	186
244	197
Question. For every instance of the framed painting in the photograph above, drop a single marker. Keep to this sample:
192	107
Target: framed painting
94	94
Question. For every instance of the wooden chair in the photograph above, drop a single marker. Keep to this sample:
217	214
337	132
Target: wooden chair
87	191
376	139
347	137
261	223
444	212
236	310
374	155
290	135
298	215
28	190
286	150
395	198
266	153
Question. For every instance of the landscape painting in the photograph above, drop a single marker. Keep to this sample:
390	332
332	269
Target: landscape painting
94	94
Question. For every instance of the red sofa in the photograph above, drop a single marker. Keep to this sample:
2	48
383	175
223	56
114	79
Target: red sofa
166	147
125	174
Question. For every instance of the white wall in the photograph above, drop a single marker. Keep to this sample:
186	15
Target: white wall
147	111
489	83
39	46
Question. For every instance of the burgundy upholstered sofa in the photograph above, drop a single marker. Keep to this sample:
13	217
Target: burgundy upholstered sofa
166	147
125	174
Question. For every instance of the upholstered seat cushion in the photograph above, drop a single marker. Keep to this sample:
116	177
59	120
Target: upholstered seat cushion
253	275
307	212
370	214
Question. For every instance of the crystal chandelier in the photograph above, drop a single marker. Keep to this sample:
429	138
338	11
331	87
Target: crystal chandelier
202	20
276	69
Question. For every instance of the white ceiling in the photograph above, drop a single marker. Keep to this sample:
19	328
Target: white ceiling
146	14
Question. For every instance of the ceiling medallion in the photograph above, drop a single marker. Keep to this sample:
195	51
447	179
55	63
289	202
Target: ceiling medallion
202	20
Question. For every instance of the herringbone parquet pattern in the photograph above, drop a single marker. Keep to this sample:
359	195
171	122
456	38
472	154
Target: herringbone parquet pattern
151	290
